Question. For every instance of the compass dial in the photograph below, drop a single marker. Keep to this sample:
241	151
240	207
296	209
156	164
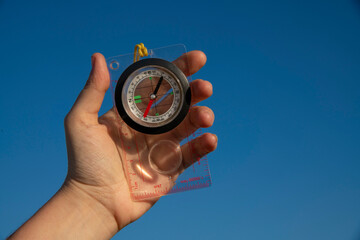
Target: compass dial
152	96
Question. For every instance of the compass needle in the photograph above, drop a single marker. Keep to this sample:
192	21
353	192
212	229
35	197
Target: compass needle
158	85
148	108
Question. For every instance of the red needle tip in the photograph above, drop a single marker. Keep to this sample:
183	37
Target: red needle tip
148	108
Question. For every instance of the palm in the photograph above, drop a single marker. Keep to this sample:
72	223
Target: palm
98	167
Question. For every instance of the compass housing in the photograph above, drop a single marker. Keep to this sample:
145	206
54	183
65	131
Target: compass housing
132	116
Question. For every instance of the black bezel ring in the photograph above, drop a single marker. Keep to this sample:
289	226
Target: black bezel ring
153	62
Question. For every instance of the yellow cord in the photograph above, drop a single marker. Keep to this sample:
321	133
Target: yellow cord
140	51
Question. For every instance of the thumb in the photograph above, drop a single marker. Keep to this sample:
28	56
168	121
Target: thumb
89	101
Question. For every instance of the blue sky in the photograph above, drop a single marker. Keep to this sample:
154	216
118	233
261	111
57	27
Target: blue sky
286	77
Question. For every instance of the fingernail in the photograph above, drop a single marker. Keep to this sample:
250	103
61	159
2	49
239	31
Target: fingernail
208	114
216	138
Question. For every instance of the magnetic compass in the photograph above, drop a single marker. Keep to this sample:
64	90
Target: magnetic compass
152	96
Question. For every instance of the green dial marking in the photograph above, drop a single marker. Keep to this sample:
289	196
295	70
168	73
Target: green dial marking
137	99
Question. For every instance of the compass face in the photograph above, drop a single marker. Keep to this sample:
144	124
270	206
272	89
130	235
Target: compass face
152	96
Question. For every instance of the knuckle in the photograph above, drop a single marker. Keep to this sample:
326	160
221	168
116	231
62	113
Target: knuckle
198	110
68	119
207	109
72	119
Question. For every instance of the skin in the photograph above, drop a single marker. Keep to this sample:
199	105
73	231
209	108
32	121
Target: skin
94	201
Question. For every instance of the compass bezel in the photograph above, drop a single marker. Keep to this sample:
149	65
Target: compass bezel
173	69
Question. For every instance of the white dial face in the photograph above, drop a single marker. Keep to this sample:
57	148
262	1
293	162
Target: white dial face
152	96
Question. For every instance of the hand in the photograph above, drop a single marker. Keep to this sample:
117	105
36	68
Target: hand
96	179
94	162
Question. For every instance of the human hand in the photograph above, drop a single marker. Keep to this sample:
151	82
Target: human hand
94	161
94	201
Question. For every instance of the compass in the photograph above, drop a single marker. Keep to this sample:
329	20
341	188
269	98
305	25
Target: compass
152	96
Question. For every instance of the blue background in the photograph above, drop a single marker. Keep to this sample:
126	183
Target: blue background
286	96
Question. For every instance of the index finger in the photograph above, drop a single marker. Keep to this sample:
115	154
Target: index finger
191	62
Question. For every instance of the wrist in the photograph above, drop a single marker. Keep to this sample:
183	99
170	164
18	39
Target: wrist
90	208
70	214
